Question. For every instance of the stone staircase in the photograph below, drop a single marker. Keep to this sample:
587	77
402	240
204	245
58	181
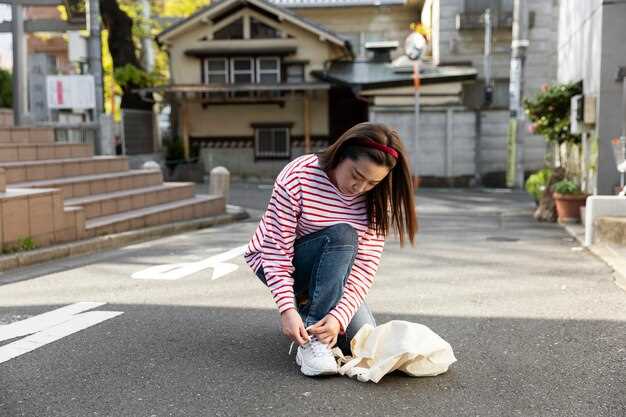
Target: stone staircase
52	193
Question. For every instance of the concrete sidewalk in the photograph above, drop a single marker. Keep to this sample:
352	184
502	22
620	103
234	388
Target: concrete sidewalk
612	254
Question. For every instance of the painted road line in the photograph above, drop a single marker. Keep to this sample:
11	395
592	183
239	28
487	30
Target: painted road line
182	270
43	321
51	328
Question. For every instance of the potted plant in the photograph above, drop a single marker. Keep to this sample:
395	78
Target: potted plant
537	183
569	198
549	114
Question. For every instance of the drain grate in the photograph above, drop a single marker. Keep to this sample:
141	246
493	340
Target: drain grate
502	239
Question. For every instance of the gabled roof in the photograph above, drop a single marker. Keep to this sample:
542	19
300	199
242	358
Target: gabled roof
222	6
300	4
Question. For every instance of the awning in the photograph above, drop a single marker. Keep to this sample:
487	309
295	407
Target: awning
368	75
244	51
247	47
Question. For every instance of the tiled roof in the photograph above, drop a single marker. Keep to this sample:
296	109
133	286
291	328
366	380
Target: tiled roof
381	74
335	3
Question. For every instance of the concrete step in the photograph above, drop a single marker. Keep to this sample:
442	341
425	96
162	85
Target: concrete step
192	208
121	201
38	214
13	152
62	168
85	185
26	135
611	230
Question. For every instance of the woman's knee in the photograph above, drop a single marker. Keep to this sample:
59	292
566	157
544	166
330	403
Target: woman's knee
342	234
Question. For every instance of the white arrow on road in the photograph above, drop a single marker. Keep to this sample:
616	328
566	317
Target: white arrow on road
49	327
181	270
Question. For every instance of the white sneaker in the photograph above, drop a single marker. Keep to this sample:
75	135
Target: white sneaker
316	358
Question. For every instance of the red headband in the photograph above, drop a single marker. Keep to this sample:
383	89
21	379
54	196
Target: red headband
373	144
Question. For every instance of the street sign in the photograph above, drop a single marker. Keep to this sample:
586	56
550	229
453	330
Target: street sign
77	47
71	92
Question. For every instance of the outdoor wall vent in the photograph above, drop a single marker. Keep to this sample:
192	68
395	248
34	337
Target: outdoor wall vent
381	50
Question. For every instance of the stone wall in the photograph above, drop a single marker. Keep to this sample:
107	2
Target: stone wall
241	164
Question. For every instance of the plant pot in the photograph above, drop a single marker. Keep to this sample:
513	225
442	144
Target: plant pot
568	206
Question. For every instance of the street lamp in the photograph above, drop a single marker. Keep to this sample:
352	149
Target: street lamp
414	47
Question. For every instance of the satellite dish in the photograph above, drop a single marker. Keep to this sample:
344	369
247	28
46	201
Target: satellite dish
414	46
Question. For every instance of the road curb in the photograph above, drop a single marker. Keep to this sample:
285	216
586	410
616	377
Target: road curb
605	254
117	240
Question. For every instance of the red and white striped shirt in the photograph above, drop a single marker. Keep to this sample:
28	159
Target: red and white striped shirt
303	201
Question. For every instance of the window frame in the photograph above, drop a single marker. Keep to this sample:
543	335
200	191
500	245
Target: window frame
275	71
208	72
302	67
258	154
234	72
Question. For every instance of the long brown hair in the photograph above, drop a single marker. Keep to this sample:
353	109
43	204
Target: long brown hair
391	202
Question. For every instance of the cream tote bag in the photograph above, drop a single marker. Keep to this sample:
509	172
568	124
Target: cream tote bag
410	347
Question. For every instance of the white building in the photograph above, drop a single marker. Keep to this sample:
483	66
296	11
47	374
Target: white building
592	49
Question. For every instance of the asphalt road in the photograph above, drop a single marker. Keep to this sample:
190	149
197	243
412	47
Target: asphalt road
536	323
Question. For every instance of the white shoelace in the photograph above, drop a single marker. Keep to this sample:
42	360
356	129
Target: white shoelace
318	348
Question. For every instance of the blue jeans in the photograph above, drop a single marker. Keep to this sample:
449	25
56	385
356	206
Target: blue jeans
322	262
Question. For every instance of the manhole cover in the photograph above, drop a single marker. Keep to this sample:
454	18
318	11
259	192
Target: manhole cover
502	239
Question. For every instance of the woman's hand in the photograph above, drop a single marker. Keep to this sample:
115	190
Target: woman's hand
326	330
293	327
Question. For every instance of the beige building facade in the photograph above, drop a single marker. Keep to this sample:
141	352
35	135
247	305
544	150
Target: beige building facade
241	78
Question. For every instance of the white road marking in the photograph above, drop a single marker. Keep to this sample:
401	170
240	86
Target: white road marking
171	272
48	327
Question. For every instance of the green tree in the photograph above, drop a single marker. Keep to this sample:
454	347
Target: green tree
124	29
181	8
6	88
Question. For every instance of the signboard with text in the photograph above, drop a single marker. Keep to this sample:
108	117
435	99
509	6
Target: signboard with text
71	92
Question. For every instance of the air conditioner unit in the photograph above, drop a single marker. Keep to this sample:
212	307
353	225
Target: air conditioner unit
576	114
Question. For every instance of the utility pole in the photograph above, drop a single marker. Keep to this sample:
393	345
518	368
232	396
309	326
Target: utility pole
416	145
146	39
19	64
488	97
94	59
519	44
414	47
